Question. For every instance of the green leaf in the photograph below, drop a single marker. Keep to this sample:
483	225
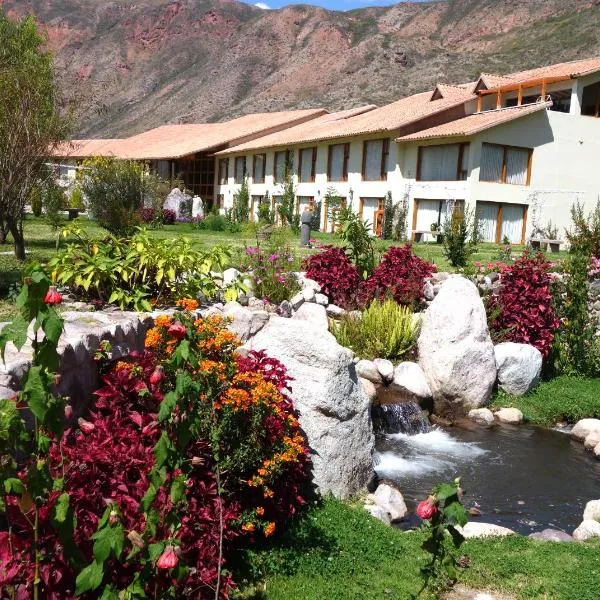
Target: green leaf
178	489
162	449
12	485
53	326
48	356
61	508
166	406
44	442
106	540
16	332
455	512
155	550
109	593
183	350
445	490
90	578
457	537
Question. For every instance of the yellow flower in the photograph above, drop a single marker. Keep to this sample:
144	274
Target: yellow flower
248	527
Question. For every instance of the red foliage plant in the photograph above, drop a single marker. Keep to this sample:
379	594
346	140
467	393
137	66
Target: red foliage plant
522	310
338	277
401	275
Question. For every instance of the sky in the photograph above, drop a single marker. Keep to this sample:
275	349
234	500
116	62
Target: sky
331	4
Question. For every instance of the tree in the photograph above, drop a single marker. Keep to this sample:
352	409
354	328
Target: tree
31	120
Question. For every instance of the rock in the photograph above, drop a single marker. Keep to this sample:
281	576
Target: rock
592	511
409	378
7	392
587	530
455	349
551	535
483	530
229	276
313	313
178	202
285	309
385	368
584	427
592	440
597	451
309	294
519	367
378	512
369	388
511	416
428	291
391	500
297	301
483	416
461	592
305	282
245	322
335	312
368	370
322	299
334	409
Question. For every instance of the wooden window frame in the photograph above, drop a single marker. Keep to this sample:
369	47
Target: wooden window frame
264	173
503	173
344	163
461	152
224	161
313	166
287	165
385	152
244	170
500	219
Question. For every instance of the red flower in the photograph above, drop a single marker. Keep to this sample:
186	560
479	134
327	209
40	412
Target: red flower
168	559
177	330
427	509
85	426
68	412
157	376
52	296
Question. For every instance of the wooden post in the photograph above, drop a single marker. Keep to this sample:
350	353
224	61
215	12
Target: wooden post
543	90
479	99
498	100
520	97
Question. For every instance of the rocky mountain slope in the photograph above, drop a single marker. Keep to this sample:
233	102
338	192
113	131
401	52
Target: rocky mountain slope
149	62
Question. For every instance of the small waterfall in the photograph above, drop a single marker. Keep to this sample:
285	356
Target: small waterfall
404	418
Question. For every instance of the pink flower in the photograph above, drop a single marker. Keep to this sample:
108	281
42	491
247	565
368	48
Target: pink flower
477	263
168	559
273	258
52	296
177	330
427	509
85	426
157	376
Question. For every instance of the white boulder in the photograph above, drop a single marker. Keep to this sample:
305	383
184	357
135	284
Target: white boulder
229	276
483	416
475	529
410	379
587	530
309	294
455	349
385	368
312	313
378	512
368	370
597	451
519	367
297	301
334	409
244	322
321	299
592	511
335	312
584	427
391	500
369	388
551	535
592	440
511	416
178	201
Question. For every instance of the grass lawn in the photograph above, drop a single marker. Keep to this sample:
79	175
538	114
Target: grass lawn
561	399
339	552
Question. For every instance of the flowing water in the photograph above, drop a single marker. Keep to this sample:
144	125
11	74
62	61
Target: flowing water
525	478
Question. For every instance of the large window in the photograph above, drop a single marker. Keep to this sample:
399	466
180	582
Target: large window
240	169
449	162
307	162
497	222
375	158
258	168
282	162
223	171
337	162
505	164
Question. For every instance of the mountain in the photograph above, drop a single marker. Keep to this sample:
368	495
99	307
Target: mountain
142	63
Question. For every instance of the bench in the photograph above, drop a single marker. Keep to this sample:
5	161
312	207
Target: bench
543	243
417	236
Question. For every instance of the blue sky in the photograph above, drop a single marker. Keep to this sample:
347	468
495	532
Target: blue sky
331	4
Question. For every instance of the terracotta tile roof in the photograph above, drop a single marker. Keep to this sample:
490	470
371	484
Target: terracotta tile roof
175	141
475	123
85	148
389	118
451	91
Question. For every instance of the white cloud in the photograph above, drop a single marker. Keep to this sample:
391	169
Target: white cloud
263	6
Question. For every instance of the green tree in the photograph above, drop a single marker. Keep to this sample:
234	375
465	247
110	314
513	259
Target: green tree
241	203
31	120
287	207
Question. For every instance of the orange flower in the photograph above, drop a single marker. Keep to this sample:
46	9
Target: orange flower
270	529
163	321
187	304
122	365
268	493
153	338
260	511
248	527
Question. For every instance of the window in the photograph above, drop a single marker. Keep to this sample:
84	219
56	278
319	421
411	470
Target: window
432	212
282	162
590	101
505	164
240	169
499	221
258	168
337	162
304	203
307	164
375	158
223	171
220	201
449	162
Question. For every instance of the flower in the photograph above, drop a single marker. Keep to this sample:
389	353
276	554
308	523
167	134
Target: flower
85	426
157	376
188	304
270	529
177	330
68	412
260	511
136	539
168	559
249	527
427	509
52	296
273	258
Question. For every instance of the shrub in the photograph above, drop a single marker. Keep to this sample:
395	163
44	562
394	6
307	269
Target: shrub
147	215
400	275
182	465
36	201
358	242
241	203
271	274
584	237
460	237
385	330
213	222
76	198
265	214
54	200
522	311
338	277
168	216
131	272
